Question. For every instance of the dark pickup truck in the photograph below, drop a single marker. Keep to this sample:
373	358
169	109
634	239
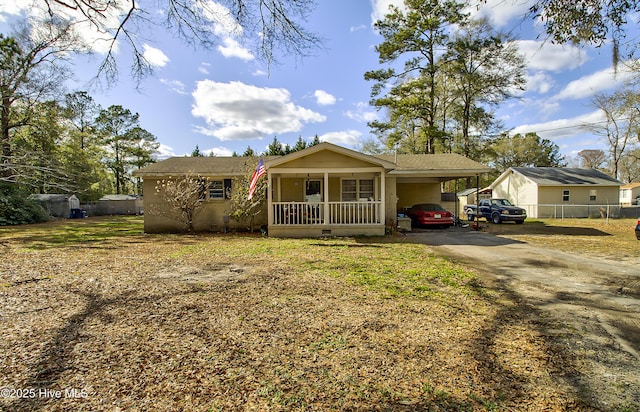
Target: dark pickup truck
497	211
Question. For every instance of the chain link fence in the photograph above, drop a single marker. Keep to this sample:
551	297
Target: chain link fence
564	211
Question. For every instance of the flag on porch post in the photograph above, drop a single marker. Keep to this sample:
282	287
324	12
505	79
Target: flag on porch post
259	172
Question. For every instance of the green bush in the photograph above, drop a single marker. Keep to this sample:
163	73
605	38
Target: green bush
17	209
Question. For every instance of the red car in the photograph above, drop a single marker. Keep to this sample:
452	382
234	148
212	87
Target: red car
430	214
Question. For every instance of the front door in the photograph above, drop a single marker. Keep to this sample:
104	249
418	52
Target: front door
313	190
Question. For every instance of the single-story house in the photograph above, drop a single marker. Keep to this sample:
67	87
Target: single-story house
321	190
630	194
557	191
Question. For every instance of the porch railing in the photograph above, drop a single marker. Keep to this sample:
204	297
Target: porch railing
340	213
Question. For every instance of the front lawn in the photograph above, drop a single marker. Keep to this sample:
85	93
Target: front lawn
128	321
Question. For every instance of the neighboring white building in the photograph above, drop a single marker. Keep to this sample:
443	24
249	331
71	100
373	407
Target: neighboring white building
554	191
629	194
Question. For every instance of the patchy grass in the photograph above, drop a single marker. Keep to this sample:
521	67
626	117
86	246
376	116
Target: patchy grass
242	322
613	238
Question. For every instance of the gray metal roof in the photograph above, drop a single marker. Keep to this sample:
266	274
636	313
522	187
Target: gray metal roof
553	176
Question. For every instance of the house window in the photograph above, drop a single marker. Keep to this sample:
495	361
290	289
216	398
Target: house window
593	194
357	189
220	189
565	195
216	189
366	189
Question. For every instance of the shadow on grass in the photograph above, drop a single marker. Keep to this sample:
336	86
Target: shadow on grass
541	228
58	358
104	232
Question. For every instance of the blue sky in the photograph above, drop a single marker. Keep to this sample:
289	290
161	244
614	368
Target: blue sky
224	99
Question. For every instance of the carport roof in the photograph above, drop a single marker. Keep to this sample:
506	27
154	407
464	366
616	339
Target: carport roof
447	164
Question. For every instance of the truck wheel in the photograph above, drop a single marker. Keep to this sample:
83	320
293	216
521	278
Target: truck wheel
495	218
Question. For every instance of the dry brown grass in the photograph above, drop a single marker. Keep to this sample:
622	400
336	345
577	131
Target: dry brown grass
613	238
231	322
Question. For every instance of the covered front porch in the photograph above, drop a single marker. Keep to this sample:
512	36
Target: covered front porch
336	202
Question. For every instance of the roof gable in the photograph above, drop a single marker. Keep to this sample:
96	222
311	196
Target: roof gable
324	153
554	176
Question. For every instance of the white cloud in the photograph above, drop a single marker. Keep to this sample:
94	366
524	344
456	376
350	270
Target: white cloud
231	48
155	57
237	111
175	86
561	128
204	68
357	28
539	82
13	7
227	28
548	56
218	151
380	8
165	151
499	12
362	113
223	22
323	98
349	138
592	84
259	72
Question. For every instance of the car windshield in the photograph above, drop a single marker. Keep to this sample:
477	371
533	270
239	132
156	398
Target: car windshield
501	202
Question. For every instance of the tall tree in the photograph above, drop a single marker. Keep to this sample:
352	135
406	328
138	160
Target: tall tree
31	70
145	145
275	148
523	151
418	33
35	151
592	22
630	166
82	111
196	152
620	124
116	125
592	159
483	67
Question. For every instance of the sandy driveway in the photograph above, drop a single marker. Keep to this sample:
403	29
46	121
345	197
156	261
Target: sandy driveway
589	306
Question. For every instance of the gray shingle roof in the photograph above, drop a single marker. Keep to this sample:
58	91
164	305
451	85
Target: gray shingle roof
205	166
236	166
552	176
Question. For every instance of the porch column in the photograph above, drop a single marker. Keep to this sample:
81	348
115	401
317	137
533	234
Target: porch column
383	197
325	204
269	200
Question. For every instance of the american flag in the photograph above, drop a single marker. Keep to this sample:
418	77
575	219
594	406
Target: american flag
260	171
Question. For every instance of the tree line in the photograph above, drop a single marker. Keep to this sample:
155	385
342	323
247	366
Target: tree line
443	74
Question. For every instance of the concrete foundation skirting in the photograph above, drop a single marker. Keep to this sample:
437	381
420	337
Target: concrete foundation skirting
299	231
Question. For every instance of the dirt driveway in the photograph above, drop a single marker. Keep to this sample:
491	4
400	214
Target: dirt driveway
589	306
